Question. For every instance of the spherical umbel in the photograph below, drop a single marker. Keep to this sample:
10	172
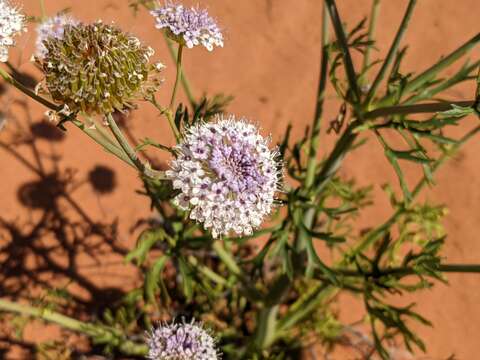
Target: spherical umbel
188	26
182	341
97	69
53	27
227	176
12	22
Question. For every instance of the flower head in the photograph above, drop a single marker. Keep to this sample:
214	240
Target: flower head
52	27
226	174
12	22
183	341
97	68
188	26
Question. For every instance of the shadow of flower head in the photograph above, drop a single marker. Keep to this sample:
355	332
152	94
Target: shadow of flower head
102	179
41	194
47	131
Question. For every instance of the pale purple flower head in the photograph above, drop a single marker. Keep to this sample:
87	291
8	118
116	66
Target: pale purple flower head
53	27
182	341
226	174
12	22
189	26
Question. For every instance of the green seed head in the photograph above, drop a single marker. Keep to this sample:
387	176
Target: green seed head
97	69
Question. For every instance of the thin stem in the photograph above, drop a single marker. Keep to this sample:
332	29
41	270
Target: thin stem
335	159
226	258
371	30
233	267
476	106
96	136
320	291
415	109
117	133
178	77
92	133
447	83
315	136
169	115
431	72
403	271
340	33
375	234
316	127
391	53
185	83
8	78
459	268
110	336
42	9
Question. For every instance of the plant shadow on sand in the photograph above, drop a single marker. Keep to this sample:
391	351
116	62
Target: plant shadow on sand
54	241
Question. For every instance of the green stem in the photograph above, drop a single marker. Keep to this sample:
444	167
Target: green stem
117	133
415	109
459	268
446	84
316	127
42	10
431	72
391	53
371	30
378	232
226	258
315	135
476	106
178	77
96	136
169	115
319	292
335	159
6	76
110	336
185	83
340	33
403	271
233	267
92	133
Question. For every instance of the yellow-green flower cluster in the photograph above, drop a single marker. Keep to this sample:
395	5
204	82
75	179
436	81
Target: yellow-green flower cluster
97	69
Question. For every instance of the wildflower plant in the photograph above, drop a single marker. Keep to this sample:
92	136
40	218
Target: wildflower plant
181	341
227	176
53	27
97	69
239	222
188	26
12	23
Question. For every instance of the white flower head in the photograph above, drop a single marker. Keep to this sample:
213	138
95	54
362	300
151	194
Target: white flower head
52	27
181	341
188	26
12	22
227	176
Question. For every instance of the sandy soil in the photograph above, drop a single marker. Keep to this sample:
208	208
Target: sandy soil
62	192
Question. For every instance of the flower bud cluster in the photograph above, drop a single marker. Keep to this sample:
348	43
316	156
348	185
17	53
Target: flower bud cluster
97	69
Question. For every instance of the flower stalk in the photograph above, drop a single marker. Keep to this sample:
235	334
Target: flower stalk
111	336
177	77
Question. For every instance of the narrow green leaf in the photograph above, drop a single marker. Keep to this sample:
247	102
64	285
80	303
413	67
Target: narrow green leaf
407	155
398	170
145	242
187	283
152	278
